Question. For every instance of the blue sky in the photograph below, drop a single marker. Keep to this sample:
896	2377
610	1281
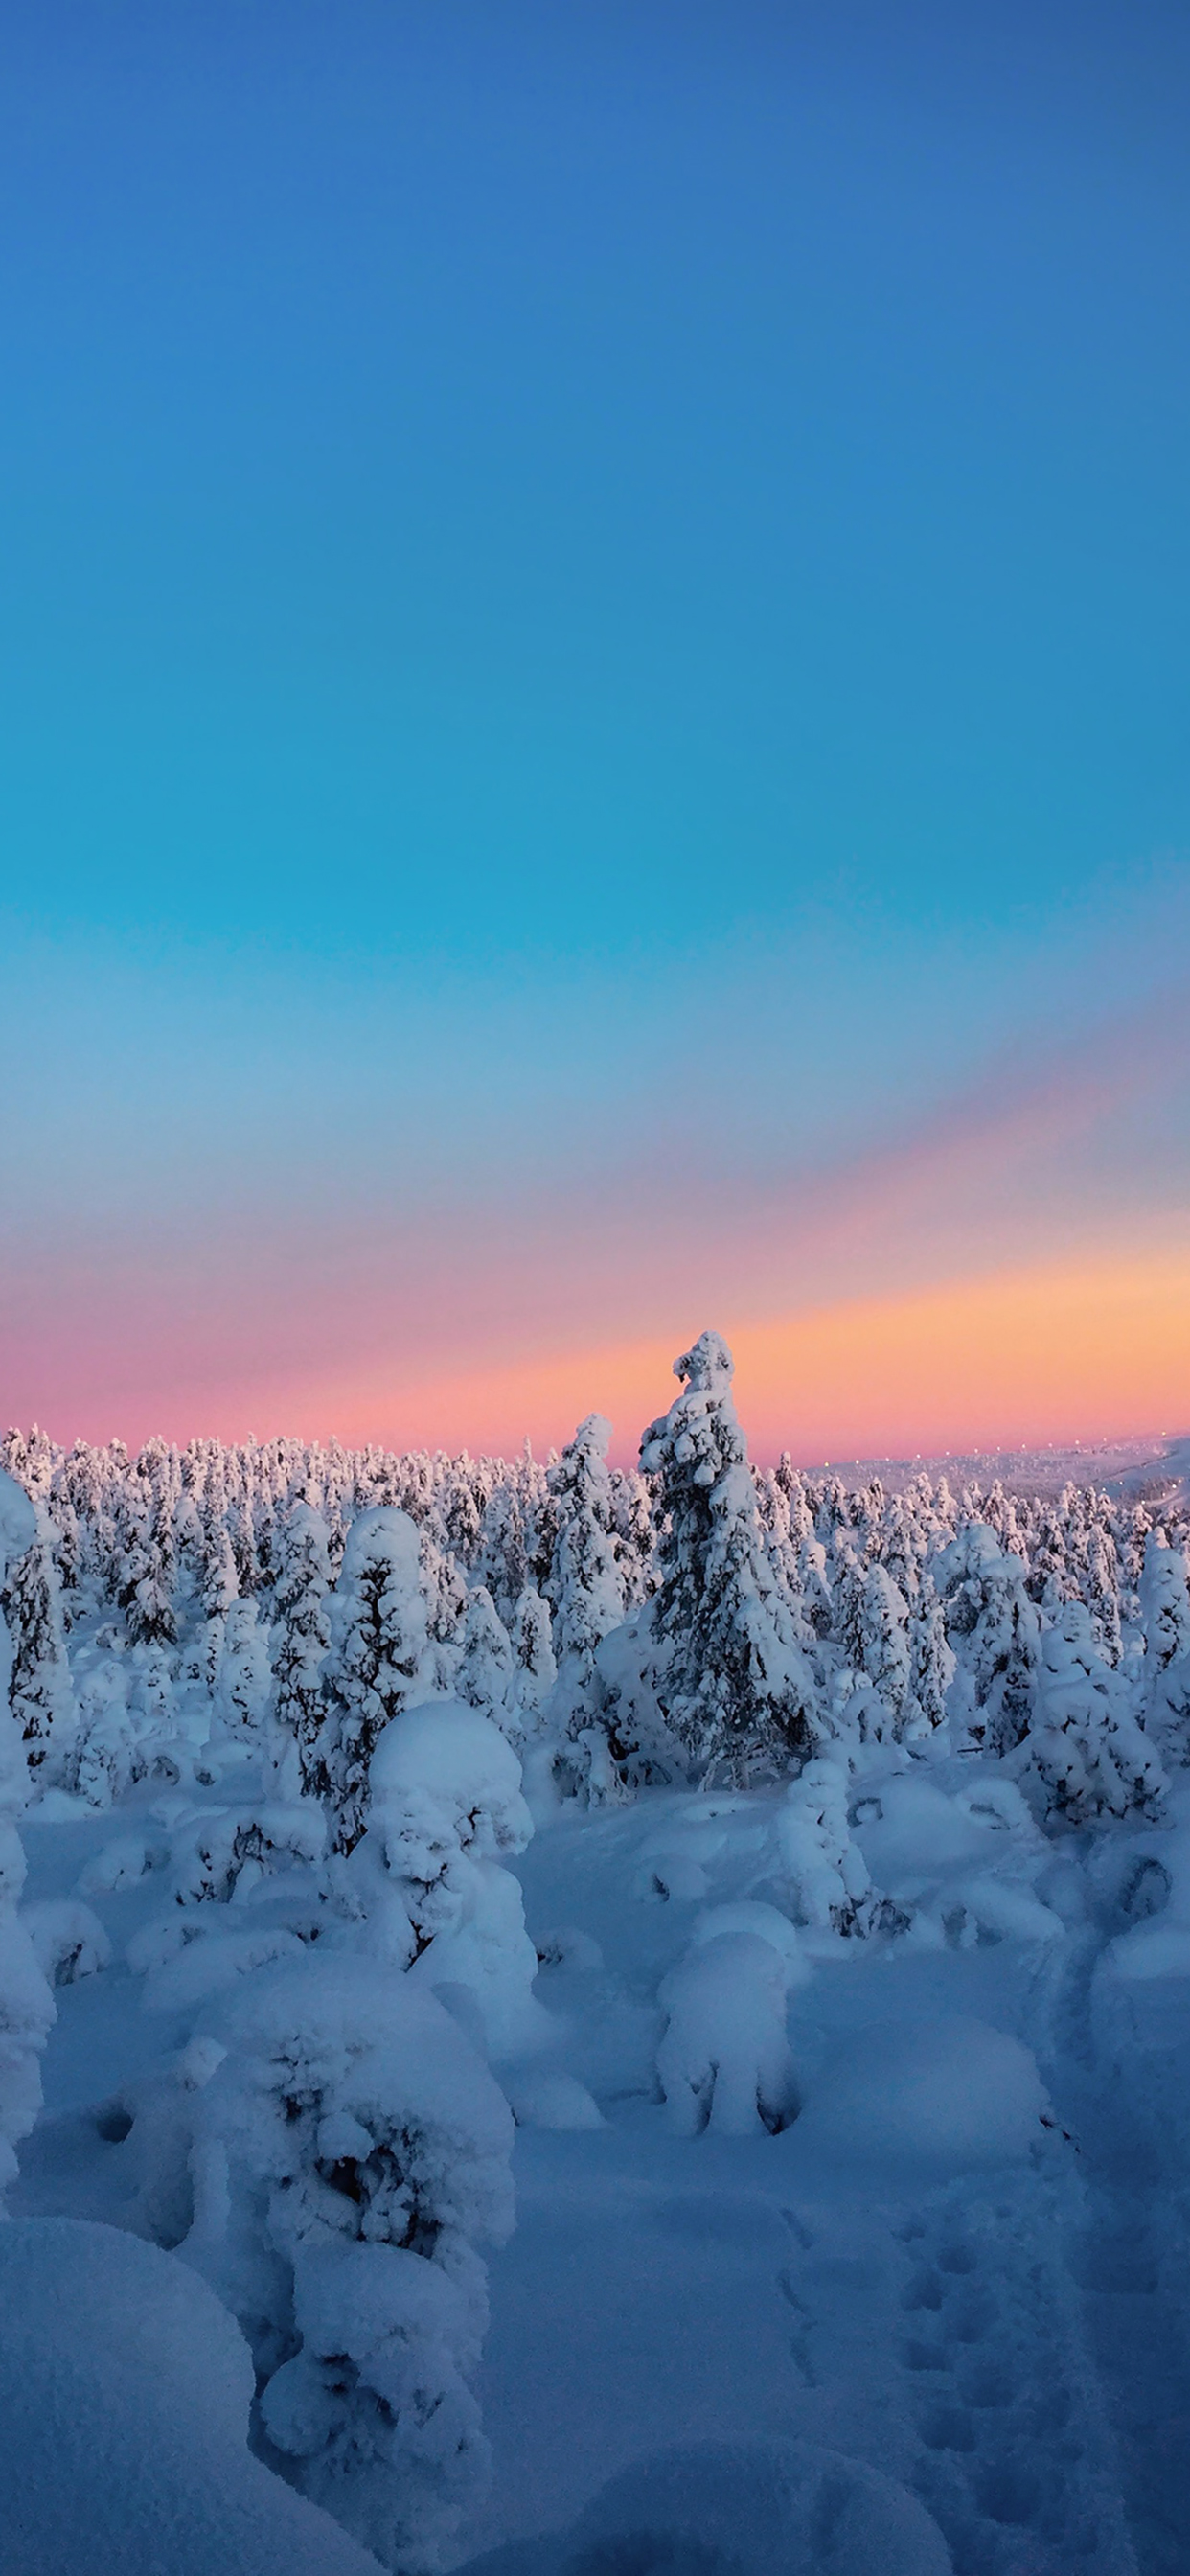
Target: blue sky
590	589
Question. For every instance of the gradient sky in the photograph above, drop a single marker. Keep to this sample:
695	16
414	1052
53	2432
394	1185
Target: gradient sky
595	623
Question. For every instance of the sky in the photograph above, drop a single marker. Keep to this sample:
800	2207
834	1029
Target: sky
594	637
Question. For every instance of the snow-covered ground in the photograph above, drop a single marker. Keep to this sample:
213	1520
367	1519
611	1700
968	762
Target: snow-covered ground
961	2267
592	2025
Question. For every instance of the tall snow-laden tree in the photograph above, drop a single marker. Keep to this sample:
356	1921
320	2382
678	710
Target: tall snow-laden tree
931	1656
41	1692
378	1631
243	1679
300	1644
995	1631
26	2004
486	1664
884	1640
1101	1593
504	1550
730	1678
586	1587
150	1581
1165	1616
220	1588
532	1645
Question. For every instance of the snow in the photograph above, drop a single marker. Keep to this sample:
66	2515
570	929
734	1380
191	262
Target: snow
125	2390
949	2094
881	2297
837	2079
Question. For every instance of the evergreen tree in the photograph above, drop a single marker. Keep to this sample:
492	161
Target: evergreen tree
1085	1748
41	1693
532	1645
730	1677
586	1587
26	2004
931	1658
300	1645
486	1665
378	1633
994	1629
1165	1613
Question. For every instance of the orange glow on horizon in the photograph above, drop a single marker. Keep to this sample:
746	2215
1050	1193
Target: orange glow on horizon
1033	1356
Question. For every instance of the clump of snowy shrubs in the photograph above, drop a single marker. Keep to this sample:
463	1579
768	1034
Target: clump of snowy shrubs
350	2157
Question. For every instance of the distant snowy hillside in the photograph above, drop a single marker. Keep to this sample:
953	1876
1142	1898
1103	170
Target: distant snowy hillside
1153	1469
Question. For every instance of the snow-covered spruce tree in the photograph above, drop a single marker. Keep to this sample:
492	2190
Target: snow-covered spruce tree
486	1666
931	1658
41	1694
243	1680
586	1588
1084	1749
351	2156
633	1516
732	1682
26	2004
504	1549
300	1644
535	1668
869	1696
995	1632
220	1587
150	1574
1165	1617
1102	1593
444	1586
378	1633
884	1641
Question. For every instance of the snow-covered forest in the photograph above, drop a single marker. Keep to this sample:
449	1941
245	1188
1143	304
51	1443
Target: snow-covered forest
650	2004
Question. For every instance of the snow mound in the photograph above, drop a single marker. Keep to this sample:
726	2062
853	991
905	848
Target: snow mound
553	2102
724	2060
740	2509
69	1941
953	2094
124	2397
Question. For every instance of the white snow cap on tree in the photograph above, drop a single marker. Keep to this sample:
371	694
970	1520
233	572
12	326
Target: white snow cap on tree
730	1676
446	1810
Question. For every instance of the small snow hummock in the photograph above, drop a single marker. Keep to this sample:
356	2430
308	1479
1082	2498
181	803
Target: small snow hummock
125	2390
